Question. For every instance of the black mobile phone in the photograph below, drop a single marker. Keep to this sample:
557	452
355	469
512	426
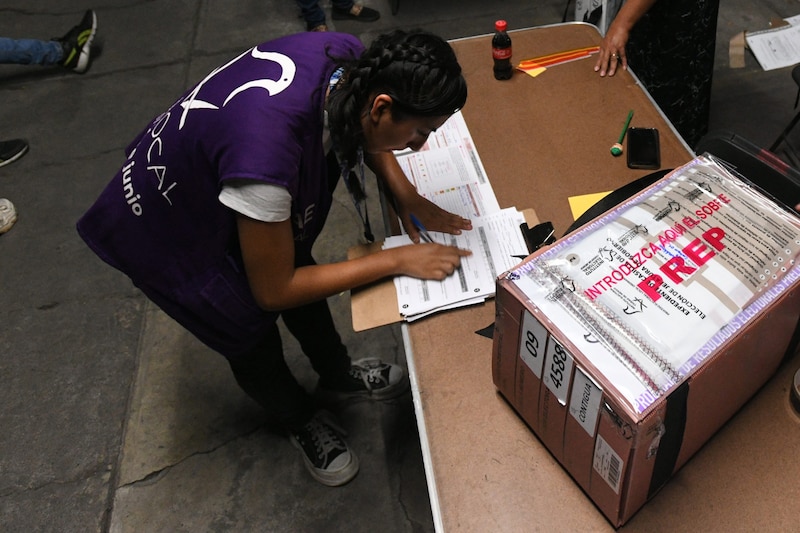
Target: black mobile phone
644	150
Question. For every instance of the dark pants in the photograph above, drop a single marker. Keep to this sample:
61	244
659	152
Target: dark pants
671	50
264	375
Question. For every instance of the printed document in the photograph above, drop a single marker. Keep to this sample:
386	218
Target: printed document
497	246
448	171
777	47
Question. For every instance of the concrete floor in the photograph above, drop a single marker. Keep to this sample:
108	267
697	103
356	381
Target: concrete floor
116	419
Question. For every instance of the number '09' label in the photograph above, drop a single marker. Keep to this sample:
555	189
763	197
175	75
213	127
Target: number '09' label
558	370
532	342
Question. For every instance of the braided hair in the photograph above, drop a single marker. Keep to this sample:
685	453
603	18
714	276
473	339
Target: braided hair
417	69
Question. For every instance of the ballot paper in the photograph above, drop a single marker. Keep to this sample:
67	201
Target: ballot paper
497	245
650	289
448	171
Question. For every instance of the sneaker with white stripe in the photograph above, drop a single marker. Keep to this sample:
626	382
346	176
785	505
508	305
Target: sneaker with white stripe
325	452
77	43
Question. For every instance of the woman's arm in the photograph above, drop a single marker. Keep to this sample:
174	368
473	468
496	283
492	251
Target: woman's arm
268	254
612	49
385	166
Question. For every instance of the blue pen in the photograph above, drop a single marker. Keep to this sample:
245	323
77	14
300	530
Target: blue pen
422	231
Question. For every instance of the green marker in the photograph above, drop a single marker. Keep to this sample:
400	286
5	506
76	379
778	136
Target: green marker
617	148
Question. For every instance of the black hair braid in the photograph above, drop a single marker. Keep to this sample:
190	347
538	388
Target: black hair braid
417	69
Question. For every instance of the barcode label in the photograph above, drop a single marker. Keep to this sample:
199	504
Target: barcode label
607	463
532	342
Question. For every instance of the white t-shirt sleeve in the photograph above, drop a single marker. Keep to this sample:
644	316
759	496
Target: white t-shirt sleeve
257	200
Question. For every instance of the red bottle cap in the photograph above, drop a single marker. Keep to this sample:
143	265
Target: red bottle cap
500	25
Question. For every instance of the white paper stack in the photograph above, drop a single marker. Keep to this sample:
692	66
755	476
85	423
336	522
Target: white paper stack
449	172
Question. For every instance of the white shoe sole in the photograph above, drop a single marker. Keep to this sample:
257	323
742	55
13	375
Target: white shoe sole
8	215
83	60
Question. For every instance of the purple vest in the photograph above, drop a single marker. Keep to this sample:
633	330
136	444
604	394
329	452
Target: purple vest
259	116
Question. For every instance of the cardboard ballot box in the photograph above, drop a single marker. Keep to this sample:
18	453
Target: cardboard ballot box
627	344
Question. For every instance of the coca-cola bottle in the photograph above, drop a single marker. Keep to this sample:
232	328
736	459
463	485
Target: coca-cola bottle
501	51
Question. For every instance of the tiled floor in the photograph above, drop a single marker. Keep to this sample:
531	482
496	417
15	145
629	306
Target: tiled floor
113	417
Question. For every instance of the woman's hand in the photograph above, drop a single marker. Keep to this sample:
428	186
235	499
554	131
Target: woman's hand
433	217
429	261
409	201
612	51
268	255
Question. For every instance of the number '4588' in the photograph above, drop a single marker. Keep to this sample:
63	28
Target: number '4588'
558	365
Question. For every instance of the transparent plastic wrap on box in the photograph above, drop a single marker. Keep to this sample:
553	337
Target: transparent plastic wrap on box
652	288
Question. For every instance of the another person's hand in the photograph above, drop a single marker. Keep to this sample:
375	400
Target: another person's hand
612	51
430	260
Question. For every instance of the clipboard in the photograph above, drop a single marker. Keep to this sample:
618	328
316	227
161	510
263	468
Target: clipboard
375	304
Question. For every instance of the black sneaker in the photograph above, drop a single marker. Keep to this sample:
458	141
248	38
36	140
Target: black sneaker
12	150
358	12
325	451
77	43
367	377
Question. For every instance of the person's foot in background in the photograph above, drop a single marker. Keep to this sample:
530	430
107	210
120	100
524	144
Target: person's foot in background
77	43
12	150
357	11
8	215
315	16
